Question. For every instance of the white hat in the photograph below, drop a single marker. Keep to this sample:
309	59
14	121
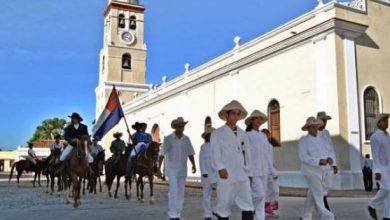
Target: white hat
178	121
256	114
312	121
323	116
207	131
380	117
233	105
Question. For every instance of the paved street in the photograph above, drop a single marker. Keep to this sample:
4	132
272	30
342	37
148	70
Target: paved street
26	202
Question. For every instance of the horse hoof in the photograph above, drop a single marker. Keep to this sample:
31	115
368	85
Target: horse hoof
75	205
51	193
141	200
67	202
47	192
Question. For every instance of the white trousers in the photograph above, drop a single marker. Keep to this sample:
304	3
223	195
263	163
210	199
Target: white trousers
176	195
382	197
32	160
66	152
207	190
315	199
228	194
259	193
272	190
328	181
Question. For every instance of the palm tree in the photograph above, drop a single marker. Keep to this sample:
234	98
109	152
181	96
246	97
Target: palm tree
49	129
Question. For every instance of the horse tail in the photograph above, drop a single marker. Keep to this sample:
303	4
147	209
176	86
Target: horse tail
12	171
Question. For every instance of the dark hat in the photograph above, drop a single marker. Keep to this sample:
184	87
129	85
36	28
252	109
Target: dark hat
30	143
76	115
143	124
136	126
118	134
57	136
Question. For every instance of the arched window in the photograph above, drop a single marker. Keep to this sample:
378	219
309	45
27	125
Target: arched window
156	133
371	110
121	21
274	122
126	61
133	22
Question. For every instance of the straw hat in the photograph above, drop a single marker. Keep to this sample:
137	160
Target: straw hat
256	114
312	121
117	134
233	105
323	116
207	131
380	117
178	121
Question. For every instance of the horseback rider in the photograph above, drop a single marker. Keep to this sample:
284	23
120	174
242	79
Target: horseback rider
131	162
57	145
117	147
32	157
74	131
140	135
96	148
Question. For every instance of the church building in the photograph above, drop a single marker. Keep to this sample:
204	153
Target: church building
335	58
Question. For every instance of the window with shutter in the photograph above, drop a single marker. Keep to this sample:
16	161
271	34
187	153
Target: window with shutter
371	110
274	122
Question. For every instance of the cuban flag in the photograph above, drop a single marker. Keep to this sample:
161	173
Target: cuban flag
111	116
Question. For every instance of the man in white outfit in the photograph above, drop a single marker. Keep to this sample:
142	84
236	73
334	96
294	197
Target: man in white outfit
230	150
330	170
380	147
209	175
261	164
177	148
314	157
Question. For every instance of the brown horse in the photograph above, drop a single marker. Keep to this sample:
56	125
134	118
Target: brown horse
93	177
24	165
52	166
117	171
144	166
76	168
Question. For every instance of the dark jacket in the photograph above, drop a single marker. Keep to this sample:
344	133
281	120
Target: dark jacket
71	133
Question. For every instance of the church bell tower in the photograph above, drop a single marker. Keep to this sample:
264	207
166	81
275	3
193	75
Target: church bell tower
123	56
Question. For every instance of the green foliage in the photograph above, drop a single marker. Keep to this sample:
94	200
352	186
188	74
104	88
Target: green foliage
49	129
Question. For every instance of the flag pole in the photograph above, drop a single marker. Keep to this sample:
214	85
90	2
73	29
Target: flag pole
124	117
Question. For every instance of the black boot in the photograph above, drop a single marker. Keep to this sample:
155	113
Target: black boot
372	212
247	215
219	217
326	203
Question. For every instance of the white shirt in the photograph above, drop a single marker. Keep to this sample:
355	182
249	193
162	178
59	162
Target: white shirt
206	165
55	146
231	152
380	147
76	126
176	152
31	153
96	149
261	161
311	151
325	136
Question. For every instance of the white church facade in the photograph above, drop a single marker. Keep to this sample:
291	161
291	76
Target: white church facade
335	58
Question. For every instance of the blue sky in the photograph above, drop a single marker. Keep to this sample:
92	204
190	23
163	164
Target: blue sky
49	50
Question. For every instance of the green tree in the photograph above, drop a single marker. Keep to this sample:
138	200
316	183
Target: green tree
49	129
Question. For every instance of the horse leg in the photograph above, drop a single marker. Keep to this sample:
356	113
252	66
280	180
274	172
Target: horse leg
83	179
126	194
137	186
151	189
52	179
39	179
118	179
100	184
78	192
35	178
142	190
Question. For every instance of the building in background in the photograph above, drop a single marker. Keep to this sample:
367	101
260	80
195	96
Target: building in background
334	58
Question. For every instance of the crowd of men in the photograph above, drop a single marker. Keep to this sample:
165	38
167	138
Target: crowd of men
240	163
